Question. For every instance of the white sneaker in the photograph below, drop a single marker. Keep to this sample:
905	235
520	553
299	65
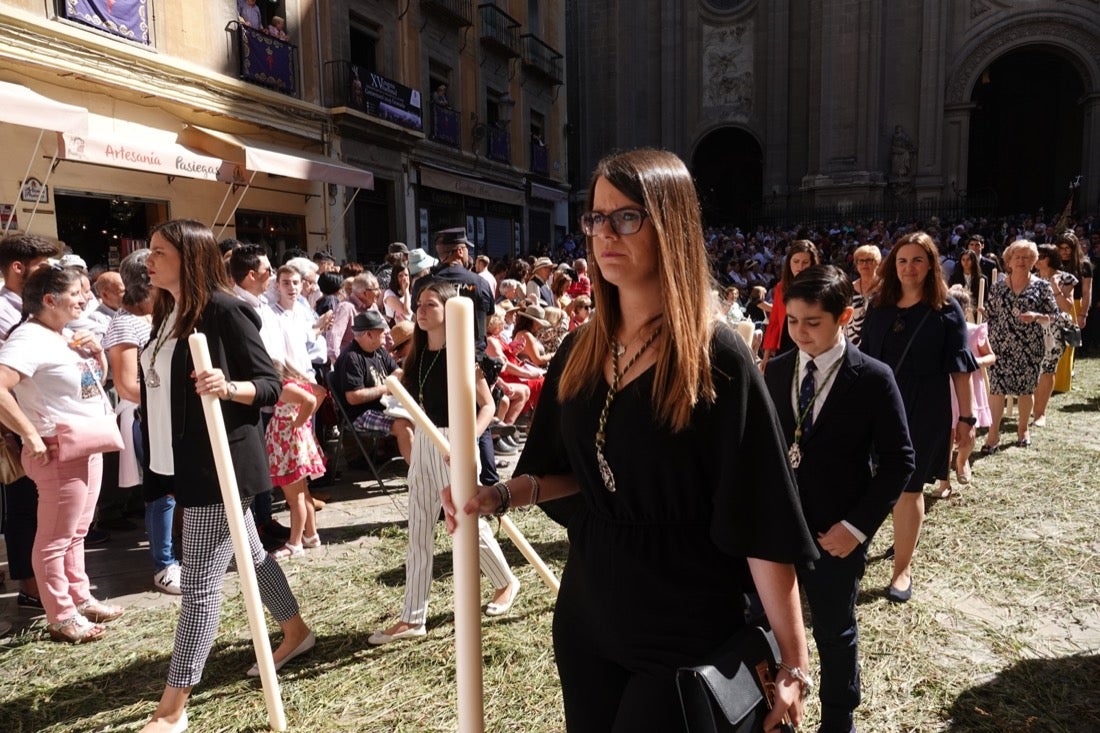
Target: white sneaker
168	580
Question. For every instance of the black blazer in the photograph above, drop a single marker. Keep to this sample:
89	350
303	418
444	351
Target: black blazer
862	417
232	330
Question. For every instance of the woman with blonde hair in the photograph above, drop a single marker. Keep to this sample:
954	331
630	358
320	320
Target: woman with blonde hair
920	332
657	426
867	258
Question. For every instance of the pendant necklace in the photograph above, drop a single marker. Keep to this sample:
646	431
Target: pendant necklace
617	350
152	379
794	452
422	377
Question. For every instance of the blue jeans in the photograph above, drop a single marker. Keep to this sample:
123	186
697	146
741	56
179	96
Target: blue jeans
158	524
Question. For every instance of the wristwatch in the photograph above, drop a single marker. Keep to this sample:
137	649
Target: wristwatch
968	419
230	391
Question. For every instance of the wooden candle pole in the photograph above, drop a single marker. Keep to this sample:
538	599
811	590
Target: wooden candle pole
461	418
423	422
223	462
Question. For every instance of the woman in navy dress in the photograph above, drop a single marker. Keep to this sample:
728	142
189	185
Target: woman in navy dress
920	331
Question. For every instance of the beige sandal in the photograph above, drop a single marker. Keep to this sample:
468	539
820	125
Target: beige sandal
97	612
75	630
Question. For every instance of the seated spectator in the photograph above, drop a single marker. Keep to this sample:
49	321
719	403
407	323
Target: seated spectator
277	29
526	345
580	310
360	380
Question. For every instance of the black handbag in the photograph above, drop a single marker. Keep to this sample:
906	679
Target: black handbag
733	692
1072	336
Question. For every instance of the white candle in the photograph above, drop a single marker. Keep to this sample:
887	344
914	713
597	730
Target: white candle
981	301
424	423
745	330
223	462
461	419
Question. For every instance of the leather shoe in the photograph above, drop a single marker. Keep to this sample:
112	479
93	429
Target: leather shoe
900	596
378	638
499	609
307	643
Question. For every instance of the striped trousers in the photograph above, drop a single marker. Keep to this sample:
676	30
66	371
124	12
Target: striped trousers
207	550
428	474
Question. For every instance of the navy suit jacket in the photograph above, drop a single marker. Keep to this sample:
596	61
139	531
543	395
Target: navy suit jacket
862	418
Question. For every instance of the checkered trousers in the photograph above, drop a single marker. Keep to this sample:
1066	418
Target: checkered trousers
207	551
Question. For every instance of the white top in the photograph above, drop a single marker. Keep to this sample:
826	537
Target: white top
296	338
158	400
390	312
11	311
59	384
271	332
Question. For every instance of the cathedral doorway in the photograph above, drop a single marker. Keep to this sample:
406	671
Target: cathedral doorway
1026	131
728	166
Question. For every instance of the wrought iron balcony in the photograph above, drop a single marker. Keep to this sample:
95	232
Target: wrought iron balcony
542	59
540	158
459	13
264	59
499	145
446	126
499	31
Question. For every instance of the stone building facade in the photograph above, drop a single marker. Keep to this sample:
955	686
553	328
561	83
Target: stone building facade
840	103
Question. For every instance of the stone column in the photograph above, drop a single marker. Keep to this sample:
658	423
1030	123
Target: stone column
956	146
1088	200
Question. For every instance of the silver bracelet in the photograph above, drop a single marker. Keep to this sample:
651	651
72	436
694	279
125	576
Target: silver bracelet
534	489
803	679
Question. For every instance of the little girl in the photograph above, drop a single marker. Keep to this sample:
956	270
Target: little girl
978	336
293	457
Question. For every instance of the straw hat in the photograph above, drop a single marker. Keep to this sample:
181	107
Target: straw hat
401	332
535	313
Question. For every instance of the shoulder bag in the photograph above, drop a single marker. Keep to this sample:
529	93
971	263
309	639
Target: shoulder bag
733	692
11	466
86	436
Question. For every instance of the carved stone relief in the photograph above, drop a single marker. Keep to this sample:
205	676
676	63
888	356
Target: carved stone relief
728	68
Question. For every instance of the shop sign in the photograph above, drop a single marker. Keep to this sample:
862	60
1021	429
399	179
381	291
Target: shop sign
32	190
8	218
152	156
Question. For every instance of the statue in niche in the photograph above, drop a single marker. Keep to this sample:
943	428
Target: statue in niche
902	152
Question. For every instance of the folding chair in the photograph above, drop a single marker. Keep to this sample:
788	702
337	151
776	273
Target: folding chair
347	426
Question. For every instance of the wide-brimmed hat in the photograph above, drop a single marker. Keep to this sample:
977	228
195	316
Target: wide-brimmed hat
542	262
419	260
398	248
401	332
369	321
504	306
535	313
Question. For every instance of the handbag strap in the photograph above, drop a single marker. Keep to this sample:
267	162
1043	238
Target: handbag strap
905	352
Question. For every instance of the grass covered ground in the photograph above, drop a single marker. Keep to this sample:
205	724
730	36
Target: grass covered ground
1003	634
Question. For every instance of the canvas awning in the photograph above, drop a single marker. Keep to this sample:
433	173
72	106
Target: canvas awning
123	144
22	106
279	161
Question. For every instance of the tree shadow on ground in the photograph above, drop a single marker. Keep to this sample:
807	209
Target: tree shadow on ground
1033	696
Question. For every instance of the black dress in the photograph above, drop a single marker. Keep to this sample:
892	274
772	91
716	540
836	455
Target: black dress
656	572
940	348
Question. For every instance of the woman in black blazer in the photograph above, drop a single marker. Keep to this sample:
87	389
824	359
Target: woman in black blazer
193	294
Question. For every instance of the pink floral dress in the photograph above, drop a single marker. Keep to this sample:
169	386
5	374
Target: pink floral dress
292	454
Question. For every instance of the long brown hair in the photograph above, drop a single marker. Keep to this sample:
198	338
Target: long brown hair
202	273
889	292
798	246
660	182
445	291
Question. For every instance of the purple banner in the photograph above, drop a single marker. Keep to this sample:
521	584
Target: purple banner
126	18
267	60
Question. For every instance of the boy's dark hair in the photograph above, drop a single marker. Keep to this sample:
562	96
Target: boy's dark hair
826	285
26	248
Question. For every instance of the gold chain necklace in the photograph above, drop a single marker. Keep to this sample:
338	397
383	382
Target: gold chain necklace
421	377
601	431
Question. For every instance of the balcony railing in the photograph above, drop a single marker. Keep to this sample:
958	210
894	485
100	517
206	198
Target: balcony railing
499	144
264	59
446	126
499	31
459	13
542	59
540	158
367	91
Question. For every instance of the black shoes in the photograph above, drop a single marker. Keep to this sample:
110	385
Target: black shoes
900	596
26	600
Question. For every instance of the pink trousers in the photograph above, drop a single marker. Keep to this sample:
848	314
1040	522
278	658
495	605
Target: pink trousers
67	493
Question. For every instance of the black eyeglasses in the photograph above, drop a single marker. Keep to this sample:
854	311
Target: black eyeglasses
622	221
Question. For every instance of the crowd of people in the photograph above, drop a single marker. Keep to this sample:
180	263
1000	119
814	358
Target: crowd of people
668	385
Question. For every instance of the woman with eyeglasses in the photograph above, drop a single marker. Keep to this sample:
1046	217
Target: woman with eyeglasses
801	254
920	332
1075	263
867	258
655	415
1017	309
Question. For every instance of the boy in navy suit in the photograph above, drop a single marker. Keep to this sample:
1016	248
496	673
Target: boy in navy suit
843	418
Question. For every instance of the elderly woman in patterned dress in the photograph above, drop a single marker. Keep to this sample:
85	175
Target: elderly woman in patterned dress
1017	309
